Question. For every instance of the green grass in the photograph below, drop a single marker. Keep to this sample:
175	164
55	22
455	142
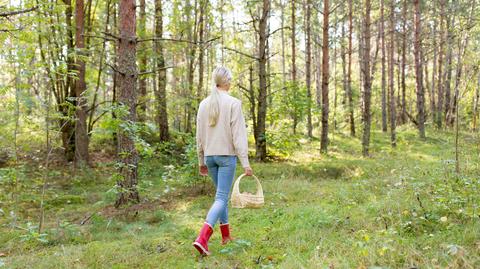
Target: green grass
401	208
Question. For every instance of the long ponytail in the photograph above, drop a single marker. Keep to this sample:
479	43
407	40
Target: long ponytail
221	76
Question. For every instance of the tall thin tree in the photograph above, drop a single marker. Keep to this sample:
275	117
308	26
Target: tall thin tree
384	79
127	99
419	71
325	77
349	69
81	136
391	71
308	64
367	86
161	93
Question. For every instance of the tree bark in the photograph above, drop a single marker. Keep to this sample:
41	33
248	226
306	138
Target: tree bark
349	72
294	66
81	135
192	51
403	114
67	125
449	69
201	53
391	72
308	64
419	71
440	95
161	93
384	80
475	104
142	80
325	77
261	143
366	82
433	106
282	33
127	80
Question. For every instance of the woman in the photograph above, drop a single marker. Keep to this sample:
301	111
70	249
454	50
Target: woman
221	138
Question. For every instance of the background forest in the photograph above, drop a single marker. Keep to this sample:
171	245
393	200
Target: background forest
362	114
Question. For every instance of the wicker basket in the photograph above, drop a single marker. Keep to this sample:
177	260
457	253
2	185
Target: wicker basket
245	199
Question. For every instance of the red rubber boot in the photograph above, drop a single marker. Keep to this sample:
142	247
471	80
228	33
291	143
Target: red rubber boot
225	229
201	243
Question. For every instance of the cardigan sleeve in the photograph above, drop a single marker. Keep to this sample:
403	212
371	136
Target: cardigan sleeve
239	133
200	145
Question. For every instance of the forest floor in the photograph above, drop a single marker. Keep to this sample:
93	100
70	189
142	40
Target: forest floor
401	208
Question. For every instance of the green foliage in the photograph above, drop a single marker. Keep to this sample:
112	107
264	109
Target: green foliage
32	235
396	209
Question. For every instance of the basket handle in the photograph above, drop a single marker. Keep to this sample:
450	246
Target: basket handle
236	186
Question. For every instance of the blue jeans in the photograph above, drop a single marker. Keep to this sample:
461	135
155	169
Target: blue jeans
222	171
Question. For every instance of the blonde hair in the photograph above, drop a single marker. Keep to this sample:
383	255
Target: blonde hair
220	76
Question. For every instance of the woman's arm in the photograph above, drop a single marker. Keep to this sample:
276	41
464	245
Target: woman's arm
239	132
199	132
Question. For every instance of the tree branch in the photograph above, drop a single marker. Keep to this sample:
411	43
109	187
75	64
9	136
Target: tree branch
241	53
153	71
177	40
16	12
114	68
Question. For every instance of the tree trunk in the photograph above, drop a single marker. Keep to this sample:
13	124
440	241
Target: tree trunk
127	80
433	106
419	71
343	55
294	67
384	80
67	125
325	77
366	82
308	64
318	72
475	104
449	69
282	32
261	143
391	72
161	93
403	115
142	80
201	53
81	136
349	72
440	95
192	51
115	75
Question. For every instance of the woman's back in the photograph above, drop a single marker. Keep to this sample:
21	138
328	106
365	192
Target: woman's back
228	136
